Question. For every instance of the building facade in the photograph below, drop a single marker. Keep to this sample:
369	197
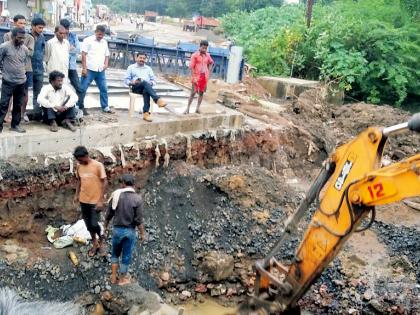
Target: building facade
50	10
18	7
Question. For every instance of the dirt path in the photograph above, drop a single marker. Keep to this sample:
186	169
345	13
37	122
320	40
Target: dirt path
168	34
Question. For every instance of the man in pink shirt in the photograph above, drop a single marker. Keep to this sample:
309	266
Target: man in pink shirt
201	65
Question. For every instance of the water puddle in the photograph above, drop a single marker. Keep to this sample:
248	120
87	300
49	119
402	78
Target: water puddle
209	307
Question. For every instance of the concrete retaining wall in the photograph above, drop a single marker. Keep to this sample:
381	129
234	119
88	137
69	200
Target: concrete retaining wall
39	140
292	87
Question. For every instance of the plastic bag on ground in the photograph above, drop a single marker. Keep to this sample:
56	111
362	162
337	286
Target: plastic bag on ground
78	230
63	241
50	230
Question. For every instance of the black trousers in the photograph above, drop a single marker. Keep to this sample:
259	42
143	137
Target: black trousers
144	88
75	82
51	115
91	218
38	82
9	89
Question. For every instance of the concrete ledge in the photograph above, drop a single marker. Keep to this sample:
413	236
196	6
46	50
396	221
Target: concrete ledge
292	87
39	140
103	130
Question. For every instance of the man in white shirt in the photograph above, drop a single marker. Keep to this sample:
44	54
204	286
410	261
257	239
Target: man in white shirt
139	23
57	52
141	79
82	22
57	101
95	59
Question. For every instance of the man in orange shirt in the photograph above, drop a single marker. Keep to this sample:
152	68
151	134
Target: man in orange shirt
90	192
201	65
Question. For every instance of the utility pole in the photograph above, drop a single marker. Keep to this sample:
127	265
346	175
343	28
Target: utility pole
309	5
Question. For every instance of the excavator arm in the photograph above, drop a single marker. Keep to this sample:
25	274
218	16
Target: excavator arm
352	184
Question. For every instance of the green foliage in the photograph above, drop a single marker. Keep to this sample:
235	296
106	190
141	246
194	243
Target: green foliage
369	48
250	28
412	7
178	8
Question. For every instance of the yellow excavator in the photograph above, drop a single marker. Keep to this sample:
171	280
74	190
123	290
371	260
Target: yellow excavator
352	182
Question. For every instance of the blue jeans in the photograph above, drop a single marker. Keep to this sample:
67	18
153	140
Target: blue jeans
123	242
100	80
75	82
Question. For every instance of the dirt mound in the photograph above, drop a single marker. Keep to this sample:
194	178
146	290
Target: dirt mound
249	89
333	125
252	187
354	118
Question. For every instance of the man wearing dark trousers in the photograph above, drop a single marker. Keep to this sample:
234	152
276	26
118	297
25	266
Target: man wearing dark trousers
19	21
74	52
57	101
90	192
38	25
13	56
141	79
126	208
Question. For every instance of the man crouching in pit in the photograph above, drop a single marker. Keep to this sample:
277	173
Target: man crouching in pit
57	102
126	207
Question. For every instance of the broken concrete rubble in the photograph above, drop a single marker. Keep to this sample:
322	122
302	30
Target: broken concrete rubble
217	265
13	253
134	300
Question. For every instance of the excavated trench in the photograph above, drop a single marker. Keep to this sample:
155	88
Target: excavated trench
216	192
214	202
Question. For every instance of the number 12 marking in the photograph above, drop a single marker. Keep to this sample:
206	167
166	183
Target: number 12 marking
376	191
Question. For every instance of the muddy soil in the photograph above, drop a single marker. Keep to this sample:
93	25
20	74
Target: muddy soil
192	211
229	201
337	124
187	216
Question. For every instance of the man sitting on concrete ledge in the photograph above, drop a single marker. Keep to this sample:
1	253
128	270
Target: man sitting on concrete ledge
140	78
57	101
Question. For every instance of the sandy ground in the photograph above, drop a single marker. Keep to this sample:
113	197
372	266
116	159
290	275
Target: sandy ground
168	34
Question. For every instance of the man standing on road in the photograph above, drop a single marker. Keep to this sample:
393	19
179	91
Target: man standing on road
126	207
13	56
141	79
201	65
95	59
82	22
90	192
38	25
57	52
20	22
142	21
74	52
57	101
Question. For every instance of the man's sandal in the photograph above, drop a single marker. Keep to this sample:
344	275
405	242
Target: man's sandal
92	252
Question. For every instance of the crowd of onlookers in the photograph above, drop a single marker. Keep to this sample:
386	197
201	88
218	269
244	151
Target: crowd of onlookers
26	57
